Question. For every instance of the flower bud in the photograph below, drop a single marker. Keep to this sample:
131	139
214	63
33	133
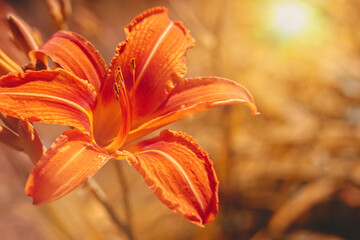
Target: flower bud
60	11
22	34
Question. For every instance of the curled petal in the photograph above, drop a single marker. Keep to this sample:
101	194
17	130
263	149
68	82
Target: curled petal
180	173
48	96
70	162
76	55
157	45
195	95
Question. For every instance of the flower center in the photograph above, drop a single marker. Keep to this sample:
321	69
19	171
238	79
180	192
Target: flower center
113	123
126	99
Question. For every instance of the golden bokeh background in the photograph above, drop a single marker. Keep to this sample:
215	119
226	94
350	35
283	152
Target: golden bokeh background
292	172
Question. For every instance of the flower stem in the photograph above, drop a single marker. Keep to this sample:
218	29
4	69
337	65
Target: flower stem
99	194
125	192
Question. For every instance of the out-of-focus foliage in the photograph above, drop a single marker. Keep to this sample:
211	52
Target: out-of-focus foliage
292	172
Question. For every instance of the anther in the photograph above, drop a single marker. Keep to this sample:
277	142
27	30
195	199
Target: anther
119	85
119	74
133	68
116	91
133	63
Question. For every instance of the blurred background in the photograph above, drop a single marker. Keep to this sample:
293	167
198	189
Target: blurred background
292	172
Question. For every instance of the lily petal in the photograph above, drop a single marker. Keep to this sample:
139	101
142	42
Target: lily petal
158	46
48	96
71	161
180	173
76	55
195	95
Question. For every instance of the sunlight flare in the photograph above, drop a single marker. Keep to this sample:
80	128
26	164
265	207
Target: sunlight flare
289	18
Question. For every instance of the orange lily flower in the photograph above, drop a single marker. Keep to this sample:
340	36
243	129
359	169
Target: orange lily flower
111	107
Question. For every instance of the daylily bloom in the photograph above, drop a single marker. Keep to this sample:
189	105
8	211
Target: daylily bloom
111	107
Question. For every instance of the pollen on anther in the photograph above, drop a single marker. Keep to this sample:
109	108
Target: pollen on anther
116	89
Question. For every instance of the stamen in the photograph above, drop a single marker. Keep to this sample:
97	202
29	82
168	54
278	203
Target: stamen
116	88
122	96
133	68
133	63
118	73
119	84
121	91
